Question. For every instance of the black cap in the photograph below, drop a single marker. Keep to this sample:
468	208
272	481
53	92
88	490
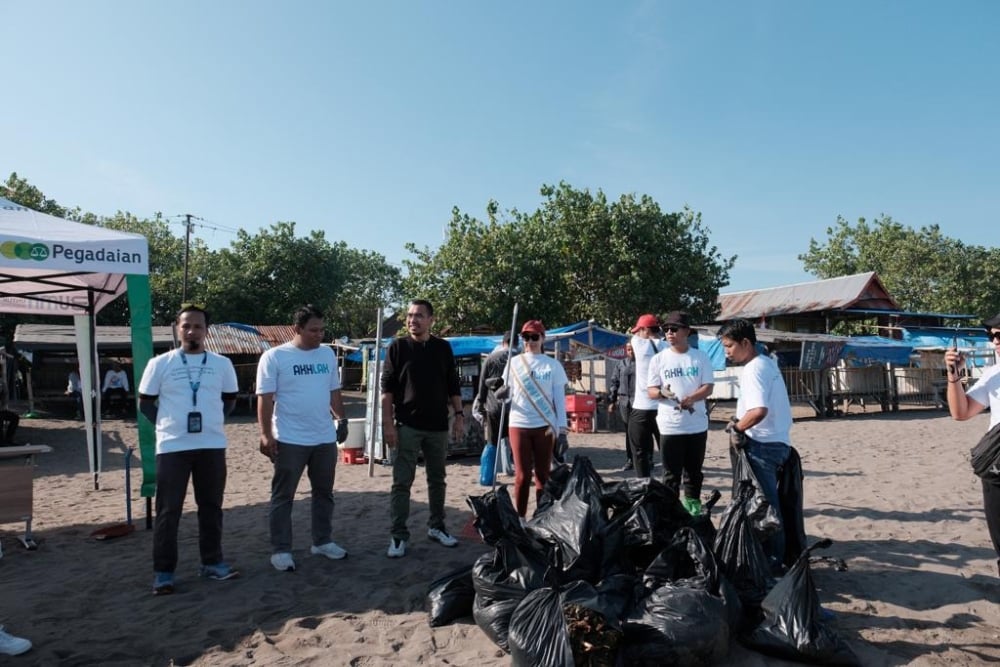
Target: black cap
993	322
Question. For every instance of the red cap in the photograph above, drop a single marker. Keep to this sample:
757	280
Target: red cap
644	321
533	326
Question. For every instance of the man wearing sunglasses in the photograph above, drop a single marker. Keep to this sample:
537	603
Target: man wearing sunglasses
964	405
420	386
642	429
680	379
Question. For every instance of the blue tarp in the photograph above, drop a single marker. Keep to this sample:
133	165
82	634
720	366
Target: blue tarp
868	350
603	339
943	338
857	351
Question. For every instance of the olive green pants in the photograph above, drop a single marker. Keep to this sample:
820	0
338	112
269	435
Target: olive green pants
434	446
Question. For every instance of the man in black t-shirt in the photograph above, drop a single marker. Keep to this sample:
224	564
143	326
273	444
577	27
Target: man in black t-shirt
418	382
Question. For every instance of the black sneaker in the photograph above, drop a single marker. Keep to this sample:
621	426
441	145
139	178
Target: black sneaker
628	466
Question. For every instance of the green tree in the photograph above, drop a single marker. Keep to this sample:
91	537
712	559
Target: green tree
262	278
577	257
924	270
371	285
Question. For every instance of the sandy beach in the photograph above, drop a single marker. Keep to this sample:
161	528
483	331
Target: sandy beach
894	492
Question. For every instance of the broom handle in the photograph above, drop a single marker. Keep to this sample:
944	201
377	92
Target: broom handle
128	486
503	413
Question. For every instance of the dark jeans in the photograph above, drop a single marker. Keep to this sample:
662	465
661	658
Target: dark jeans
683	455
8	426
991	506
644	436
624	409
207	470
321	461
434	446
765	459
532	449
493	433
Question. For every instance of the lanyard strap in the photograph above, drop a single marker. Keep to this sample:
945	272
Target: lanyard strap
195	384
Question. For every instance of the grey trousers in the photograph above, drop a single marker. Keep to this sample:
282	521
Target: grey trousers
321	462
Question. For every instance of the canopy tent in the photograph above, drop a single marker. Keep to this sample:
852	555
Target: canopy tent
822	350
52	266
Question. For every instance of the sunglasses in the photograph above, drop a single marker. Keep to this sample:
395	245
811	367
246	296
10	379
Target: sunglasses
654	329
993	335
671	329
531	337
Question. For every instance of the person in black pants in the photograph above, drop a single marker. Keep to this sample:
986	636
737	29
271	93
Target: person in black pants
964	405
621	390
643	433
8	426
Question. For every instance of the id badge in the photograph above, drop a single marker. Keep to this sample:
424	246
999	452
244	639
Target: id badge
194	422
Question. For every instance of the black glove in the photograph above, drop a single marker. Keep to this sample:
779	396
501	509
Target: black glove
341	431
562	445
737	438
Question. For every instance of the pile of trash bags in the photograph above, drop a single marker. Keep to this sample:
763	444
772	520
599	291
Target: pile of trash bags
616	573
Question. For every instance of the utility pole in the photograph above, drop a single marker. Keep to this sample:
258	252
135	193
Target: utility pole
187	252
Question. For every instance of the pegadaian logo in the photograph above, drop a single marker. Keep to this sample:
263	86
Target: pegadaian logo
26	251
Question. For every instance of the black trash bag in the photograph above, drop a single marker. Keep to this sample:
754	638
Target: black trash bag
793	627
677	619
575	525
579	625
501	580
689	562
702	523
495	515
538	634
763	517
741	556
985	456
790	499
451	597
493	618
554	486
648	514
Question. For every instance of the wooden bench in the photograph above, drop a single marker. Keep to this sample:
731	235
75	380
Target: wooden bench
17	473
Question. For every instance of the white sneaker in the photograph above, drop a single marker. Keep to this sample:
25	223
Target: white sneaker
442	537
283	562
11	645
397	548
331	550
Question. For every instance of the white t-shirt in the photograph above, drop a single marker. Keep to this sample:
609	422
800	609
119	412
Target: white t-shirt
551	378
761	386
986	391
684	373
301	381
644	349
115	380
170	379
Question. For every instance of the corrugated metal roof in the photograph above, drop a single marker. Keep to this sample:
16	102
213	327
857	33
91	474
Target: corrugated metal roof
253	339
861	290
63	336
221	338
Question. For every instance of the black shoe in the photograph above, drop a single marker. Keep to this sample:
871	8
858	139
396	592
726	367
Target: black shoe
628	466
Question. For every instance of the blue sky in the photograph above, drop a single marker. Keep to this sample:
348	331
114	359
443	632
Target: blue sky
371	120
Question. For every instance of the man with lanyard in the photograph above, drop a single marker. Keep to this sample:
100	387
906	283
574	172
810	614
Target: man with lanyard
642	429
419	385
187	393
763	422
680	379
298	387
621	391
